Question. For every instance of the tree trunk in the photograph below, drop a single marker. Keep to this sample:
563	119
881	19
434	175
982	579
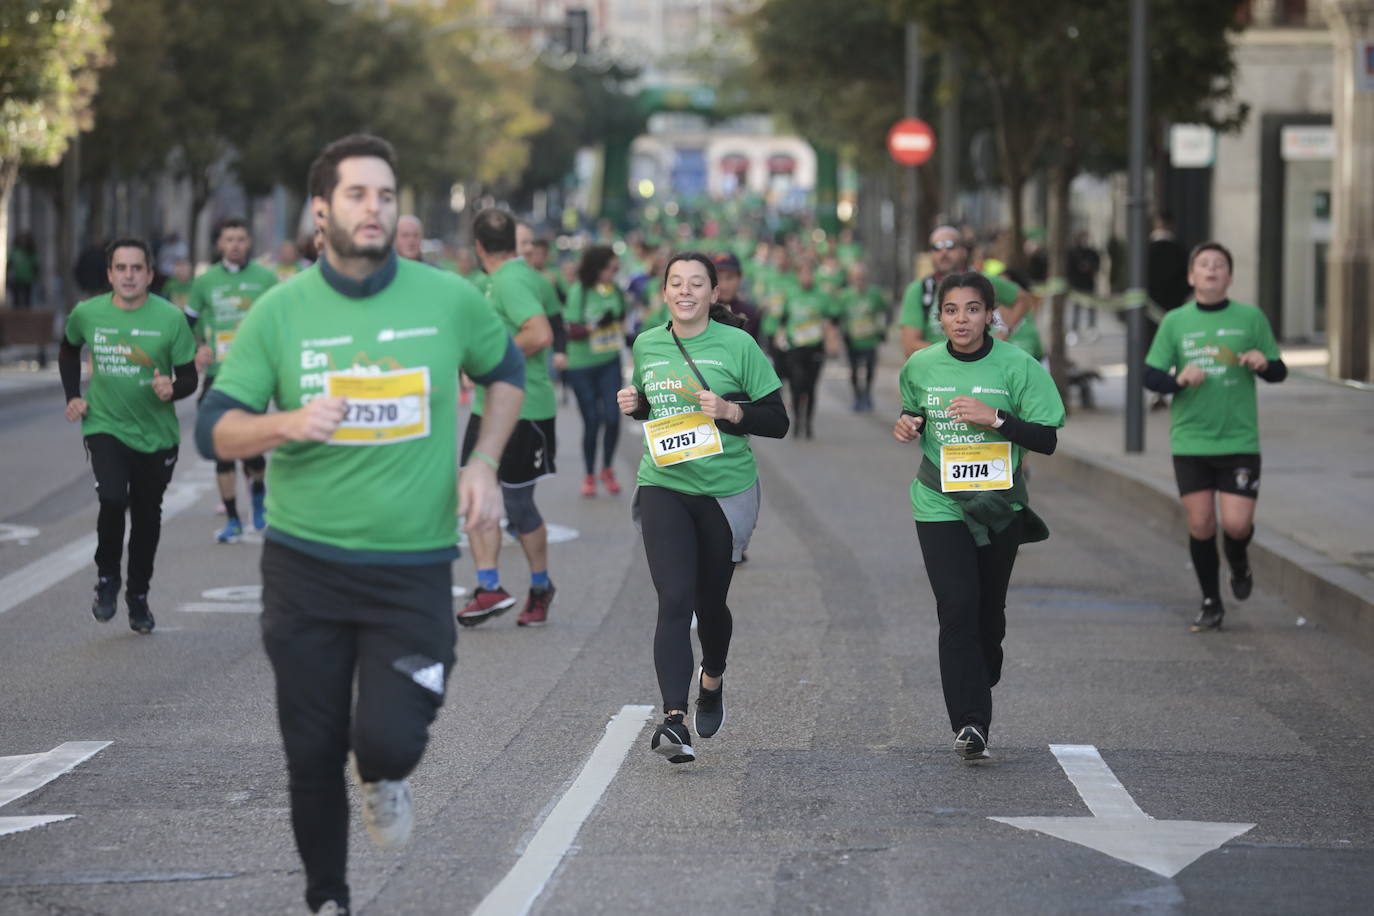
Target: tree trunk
200	193
9	176
1061	175
1061	215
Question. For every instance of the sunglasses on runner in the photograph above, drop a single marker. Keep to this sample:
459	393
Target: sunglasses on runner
945	245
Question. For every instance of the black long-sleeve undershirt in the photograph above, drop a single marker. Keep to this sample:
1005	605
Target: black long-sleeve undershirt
184	378
69	367
1035	437
560	334
1165	383
765	417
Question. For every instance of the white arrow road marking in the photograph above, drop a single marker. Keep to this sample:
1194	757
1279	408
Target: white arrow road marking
525	881
1118	827
25	773
45	572
21	533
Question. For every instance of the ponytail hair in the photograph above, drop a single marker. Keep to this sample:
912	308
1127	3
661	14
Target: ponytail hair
719	312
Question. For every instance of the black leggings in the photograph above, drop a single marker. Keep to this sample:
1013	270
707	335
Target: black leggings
862	364
970	586
804	372
129	481
322	624
689	545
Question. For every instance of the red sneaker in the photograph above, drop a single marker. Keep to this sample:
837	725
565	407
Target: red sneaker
589	486
536	612
609	482
485	603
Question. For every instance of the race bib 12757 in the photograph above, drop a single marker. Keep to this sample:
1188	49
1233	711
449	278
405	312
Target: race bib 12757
682	437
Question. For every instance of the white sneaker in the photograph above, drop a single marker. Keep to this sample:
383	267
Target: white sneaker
387	812
330	908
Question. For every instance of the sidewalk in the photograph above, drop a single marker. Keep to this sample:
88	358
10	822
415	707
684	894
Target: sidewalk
21	379
1314	537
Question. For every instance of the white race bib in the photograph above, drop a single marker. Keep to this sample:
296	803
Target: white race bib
222	341
383	407
980	466
807	333
607	339
682	437
862	327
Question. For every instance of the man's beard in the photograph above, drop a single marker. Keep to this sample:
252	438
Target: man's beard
340	242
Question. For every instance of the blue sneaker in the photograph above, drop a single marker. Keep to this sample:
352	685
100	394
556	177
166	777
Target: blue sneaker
233	530
259	514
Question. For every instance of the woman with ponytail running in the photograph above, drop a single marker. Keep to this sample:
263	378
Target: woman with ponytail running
703	386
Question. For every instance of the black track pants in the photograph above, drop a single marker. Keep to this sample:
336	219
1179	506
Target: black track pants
324	623
129	481
970	586
689	545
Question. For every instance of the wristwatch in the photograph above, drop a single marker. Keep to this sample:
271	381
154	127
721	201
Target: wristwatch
1002	417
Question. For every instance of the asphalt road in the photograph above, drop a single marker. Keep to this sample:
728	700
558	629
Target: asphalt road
831	789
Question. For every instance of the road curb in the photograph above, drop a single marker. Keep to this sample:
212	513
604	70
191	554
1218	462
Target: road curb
1330	593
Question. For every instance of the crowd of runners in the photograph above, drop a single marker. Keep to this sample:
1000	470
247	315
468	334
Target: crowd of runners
338	387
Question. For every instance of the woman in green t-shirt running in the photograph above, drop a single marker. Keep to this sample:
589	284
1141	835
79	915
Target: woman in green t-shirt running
595	316
704	387
978	404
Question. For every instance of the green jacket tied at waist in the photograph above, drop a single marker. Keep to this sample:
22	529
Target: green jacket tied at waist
990	510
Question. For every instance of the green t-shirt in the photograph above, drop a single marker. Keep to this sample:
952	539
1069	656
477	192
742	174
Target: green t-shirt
919	307
1006	378
732	362
1220	416
1027	336
177	292
804	315
863	317
517	294
386	481
589	307
479	279
126	346
220	298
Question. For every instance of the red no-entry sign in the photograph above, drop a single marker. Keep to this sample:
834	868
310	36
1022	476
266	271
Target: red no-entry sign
911	141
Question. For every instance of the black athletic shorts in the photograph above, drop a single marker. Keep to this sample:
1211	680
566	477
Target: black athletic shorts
207	382
1238	474
529	453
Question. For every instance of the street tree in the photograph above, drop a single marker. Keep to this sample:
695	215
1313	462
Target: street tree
50	54
1061	98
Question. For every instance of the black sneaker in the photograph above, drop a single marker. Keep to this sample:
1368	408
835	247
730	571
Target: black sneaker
140	618
1209	618
1242	583
971	744
106	595
672	740
710	714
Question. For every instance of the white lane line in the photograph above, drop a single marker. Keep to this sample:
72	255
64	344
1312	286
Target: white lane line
37	770
525	881
1097	785
45	572
10	825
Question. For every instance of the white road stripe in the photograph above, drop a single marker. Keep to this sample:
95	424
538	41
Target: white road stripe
45	572
38	770
525	881
1101	791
